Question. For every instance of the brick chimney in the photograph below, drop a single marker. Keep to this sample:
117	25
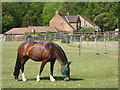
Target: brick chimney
56	12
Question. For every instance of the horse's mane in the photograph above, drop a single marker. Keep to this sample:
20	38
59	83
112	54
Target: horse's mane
62	52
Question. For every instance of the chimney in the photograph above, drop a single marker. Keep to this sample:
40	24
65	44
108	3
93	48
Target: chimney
68	14
56	11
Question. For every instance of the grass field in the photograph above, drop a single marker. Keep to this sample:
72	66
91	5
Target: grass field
87	70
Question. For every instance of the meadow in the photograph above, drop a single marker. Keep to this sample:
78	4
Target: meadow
88	70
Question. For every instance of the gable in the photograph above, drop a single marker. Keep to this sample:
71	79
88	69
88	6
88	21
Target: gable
86	19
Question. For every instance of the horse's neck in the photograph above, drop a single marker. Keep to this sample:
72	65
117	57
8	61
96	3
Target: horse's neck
62	61
61	57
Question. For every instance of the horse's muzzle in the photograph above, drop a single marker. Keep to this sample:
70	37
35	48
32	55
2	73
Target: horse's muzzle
67	78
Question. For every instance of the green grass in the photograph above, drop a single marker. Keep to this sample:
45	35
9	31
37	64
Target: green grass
87	70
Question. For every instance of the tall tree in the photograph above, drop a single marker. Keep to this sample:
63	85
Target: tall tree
22	14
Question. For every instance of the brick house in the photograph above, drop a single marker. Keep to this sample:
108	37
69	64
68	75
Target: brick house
85	22
65	22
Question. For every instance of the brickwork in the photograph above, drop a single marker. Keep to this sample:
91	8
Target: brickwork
58	22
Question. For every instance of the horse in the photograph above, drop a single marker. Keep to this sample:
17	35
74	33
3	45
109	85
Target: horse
41	51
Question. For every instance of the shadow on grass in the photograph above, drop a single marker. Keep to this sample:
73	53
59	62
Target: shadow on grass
56	78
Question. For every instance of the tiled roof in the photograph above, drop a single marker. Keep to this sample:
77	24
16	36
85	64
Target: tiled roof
72	18
17	31
42	28
29	29
88	20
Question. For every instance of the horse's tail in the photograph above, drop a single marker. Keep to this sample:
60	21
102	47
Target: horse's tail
17	67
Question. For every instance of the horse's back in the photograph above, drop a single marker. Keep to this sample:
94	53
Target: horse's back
39	51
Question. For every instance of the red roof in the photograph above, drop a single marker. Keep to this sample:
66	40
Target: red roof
72	18
17	31
42	28
29	29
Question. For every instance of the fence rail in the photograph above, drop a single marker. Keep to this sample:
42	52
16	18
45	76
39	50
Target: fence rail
68	37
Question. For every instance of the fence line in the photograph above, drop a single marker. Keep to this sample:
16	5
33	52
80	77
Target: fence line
67	37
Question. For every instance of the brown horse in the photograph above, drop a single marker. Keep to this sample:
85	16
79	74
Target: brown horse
45	52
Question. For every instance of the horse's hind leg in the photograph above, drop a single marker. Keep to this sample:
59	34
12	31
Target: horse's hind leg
17	67
51	70
23	61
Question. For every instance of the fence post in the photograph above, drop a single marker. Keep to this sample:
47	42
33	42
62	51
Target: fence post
87	41
74	41
108	36
80	45
105	43
96	46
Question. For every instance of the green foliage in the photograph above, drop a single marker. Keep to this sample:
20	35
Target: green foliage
49	12
8	22
30	19
22	14
87	29
48	32
104	20
65	41
38	34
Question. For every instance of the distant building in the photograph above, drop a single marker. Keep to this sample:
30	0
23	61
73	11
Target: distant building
66	22
60	22
22	31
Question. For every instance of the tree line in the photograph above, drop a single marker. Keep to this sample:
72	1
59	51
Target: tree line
24	14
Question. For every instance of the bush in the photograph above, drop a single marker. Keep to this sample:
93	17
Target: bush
87	29
48	32
65	41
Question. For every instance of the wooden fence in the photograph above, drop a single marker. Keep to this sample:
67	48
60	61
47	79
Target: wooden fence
67	36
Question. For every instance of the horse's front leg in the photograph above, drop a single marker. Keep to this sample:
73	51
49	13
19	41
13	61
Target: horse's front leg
51	70
41	69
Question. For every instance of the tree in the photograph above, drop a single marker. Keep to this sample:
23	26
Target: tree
49	12
30	19
23	14
7	22
103	20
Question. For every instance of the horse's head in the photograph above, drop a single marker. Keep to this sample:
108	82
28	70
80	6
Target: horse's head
66	71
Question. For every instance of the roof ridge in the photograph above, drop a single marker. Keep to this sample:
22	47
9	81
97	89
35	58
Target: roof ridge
91	22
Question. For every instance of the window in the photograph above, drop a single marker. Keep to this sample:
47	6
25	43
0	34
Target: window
61	24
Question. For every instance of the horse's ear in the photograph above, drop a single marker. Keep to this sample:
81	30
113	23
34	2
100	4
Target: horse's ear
69	63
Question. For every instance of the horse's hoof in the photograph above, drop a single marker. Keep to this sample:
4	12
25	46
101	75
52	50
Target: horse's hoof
52	80
24	80
16	79
38	80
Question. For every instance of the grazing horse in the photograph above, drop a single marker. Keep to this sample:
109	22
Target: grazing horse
45	52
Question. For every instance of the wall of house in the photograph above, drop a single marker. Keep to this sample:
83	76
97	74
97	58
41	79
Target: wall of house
74	25
84	22
67	27
56	21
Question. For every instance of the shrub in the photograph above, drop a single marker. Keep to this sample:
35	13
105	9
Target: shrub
87	29
65	41
48	32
